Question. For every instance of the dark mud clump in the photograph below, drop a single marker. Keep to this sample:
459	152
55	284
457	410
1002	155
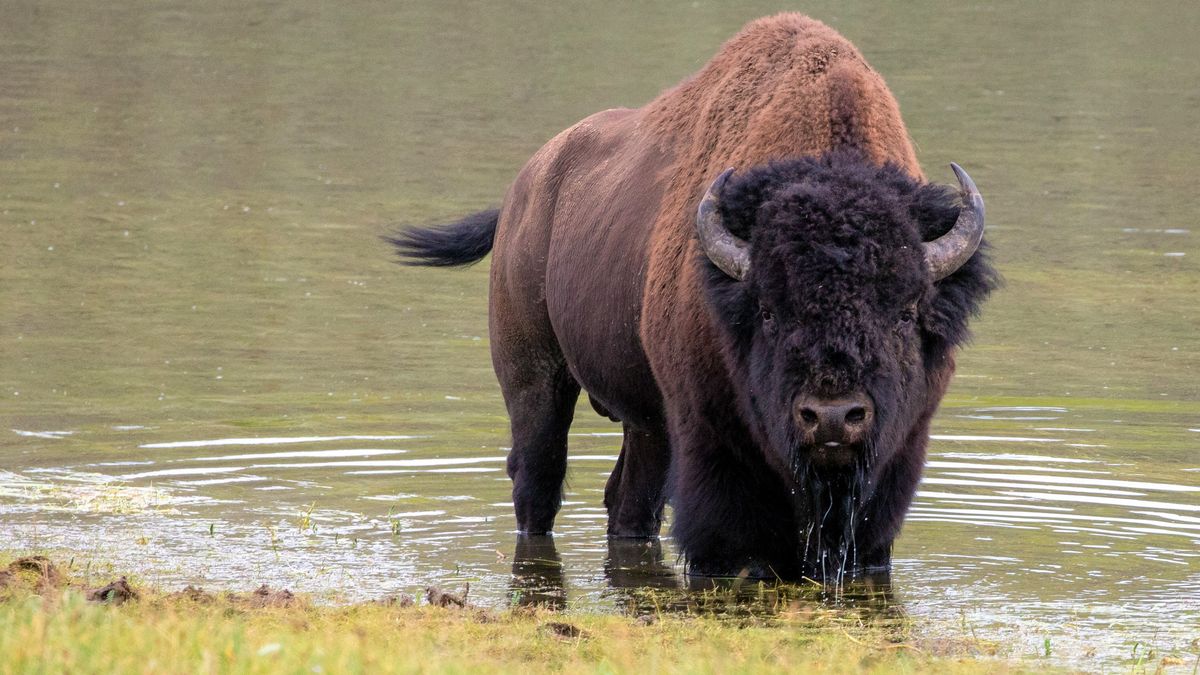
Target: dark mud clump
398	600
39	574
36	573
565	630
193	594
261	598
41	567
265	597
439	598
116	593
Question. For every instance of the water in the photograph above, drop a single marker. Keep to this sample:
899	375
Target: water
211	371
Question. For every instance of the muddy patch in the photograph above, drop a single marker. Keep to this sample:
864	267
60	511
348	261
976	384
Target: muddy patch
567	631
40	567
33	573
264	597
38	574
439	598
192	594
397	600
115	593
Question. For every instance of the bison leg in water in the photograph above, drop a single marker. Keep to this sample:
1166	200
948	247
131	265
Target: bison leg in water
636	490
540	408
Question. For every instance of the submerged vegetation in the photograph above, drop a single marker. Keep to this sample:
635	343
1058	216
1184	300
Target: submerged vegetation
53	620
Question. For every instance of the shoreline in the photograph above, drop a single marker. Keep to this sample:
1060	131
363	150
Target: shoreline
55	616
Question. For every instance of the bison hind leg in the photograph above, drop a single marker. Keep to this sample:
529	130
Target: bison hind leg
540	410
636	490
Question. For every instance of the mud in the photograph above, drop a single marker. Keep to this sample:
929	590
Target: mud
116	593
398	600
38	575
565	630
36	569
194	594
260	598
439	598
265	597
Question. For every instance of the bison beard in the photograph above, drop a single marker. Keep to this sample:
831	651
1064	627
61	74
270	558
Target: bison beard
774	347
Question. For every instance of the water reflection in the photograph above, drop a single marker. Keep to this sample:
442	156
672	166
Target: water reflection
630	566
641	583
868	600
537	573
636	564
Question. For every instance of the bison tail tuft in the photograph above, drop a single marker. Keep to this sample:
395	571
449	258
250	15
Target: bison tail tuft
461	243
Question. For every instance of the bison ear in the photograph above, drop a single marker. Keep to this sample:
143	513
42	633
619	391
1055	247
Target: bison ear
967	275
950	251
935	210
742	198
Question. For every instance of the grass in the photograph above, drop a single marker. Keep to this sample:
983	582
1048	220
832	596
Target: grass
49	625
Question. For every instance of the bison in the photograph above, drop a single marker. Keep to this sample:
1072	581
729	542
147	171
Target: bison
773	337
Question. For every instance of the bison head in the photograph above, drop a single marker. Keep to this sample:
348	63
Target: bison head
840	289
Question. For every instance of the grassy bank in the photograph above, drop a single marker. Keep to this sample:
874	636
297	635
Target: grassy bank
52	620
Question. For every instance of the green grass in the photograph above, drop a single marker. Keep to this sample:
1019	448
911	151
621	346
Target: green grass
47	625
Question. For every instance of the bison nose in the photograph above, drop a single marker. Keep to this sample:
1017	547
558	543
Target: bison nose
835	421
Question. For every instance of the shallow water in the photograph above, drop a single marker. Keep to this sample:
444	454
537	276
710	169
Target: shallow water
210	369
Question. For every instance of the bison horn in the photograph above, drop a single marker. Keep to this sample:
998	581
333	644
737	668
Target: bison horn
729	253
950	251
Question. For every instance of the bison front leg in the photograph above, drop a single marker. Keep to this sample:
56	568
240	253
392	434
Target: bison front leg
732	513
636	490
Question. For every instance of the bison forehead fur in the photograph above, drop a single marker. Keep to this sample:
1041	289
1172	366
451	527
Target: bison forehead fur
783	411
837	258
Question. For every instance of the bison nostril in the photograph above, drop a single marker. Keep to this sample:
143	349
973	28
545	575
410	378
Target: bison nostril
843	420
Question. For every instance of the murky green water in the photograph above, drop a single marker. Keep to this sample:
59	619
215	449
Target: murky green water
209	369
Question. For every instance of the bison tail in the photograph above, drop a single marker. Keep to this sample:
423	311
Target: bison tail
461	243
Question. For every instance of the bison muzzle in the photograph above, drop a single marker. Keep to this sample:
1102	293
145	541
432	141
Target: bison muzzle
774	337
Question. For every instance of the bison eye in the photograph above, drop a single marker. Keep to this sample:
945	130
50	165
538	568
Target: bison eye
908	315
